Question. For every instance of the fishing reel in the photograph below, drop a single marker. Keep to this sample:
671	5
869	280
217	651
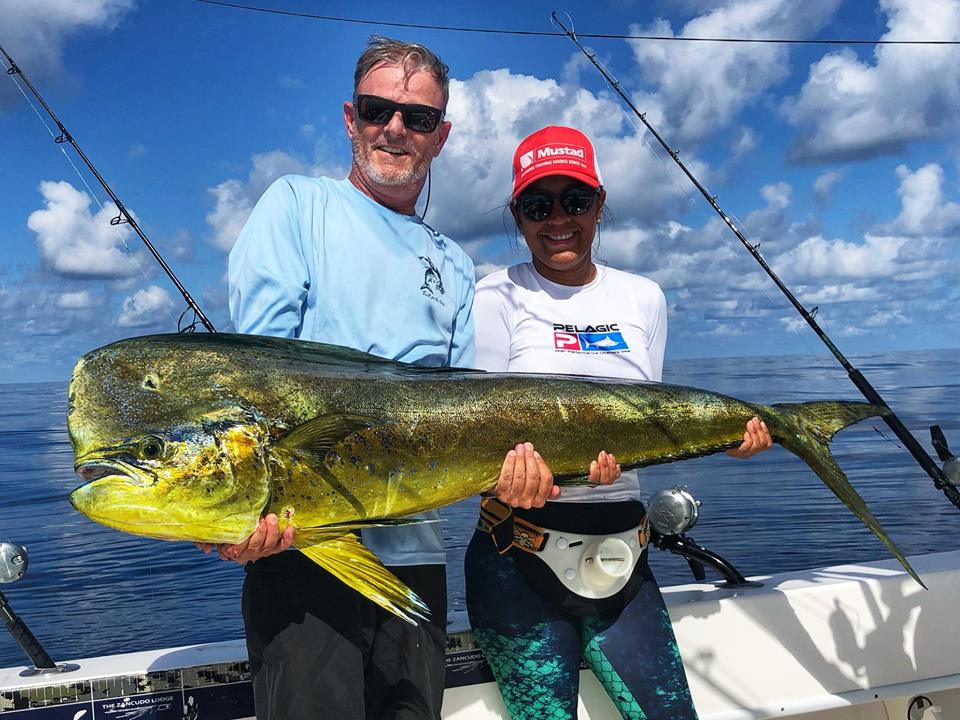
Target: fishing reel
672	513
13	566
951	463
13	562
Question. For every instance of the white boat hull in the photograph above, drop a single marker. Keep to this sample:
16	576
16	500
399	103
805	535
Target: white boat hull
857	642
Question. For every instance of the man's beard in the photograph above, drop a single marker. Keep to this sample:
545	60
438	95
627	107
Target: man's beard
411	175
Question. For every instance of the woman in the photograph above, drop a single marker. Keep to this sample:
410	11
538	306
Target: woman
563	313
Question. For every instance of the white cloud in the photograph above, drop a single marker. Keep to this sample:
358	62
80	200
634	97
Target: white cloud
892	257
771	225
485	268
913	247
233	204
777	194
34	32
664	254
703	86
723	330
793	324
888	316
234	199
34	306
181	244
746	141
882	279
844	292
924	211
852	108
76	300
630	247
824	184
146	308
851	331
75	243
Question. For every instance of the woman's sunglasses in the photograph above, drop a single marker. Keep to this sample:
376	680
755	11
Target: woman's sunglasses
379	111
574	201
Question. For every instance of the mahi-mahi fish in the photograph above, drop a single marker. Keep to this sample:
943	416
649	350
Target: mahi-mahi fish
196	437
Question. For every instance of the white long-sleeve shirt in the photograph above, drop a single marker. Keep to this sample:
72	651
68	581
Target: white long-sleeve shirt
616	326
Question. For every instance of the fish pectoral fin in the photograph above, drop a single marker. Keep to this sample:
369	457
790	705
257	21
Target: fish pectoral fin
382	522
344	557
316	437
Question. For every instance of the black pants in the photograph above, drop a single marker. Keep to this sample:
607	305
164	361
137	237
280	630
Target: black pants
319	649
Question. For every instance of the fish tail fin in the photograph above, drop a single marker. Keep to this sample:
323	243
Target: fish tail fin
824	418
346	558
805	429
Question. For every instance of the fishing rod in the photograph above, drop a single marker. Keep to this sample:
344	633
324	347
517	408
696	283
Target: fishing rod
940	479
123	216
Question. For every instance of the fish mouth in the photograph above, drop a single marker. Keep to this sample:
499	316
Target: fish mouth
101	468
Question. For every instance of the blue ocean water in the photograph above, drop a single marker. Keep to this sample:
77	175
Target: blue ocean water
91	591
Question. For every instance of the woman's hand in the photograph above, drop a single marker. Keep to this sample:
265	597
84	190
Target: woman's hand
756	439
525	480
604	470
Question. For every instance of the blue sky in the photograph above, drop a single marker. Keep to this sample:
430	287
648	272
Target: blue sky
841	161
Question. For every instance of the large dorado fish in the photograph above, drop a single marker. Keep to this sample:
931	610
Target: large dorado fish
195	437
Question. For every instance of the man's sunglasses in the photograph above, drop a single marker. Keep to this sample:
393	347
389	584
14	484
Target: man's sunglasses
574	201
380	111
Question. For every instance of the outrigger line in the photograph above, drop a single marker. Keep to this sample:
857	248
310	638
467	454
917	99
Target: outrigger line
123	216
940	480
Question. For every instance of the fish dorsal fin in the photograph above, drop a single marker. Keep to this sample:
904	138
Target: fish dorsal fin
265	351
344	557
315	438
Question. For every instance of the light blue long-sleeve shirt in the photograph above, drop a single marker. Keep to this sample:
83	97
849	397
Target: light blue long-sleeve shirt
319	260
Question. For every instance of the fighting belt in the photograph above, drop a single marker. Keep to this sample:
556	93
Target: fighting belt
507	530
584	573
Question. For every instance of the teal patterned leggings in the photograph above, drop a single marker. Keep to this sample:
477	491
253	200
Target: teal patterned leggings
534	648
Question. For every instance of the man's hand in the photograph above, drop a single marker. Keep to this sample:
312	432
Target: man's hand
266	540
756	439
525	480
604	470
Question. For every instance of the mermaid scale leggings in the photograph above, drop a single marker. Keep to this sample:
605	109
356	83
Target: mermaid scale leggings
534	648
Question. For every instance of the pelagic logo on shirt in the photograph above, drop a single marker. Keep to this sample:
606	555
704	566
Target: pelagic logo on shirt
604	337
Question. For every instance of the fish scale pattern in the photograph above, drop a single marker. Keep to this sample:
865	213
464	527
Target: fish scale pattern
610	679
532	689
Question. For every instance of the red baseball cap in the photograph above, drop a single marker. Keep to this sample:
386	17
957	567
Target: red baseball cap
555	150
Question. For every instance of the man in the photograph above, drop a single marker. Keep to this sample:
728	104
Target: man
349	262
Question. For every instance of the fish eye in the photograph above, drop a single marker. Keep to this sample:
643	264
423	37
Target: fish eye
150	448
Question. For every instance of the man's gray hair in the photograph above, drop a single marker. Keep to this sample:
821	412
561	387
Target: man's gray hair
412	57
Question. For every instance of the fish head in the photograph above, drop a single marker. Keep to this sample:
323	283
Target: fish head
164	451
